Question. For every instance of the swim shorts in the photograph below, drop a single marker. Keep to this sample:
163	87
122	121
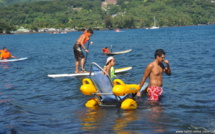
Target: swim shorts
154	93
78	52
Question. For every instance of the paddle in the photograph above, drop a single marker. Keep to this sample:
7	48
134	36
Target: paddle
86	52
110	48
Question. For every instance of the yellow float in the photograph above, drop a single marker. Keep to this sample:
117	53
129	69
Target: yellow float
92	103
121	89
88	87
129	104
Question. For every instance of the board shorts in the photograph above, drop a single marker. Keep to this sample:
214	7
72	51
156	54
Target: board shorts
154	93
78	53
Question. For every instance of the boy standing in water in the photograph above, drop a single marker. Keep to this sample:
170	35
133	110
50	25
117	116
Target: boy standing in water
154	71
78	53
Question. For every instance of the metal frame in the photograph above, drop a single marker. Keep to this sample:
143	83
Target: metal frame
91	69
98	93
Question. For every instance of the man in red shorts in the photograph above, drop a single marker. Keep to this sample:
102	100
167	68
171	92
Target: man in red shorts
154	71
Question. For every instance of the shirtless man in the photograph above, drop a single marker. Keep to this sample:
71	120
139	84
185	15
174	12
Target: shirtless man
154	71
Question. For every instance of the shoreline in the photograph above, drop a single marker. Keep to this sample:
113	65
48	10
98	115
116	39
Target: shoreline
58	32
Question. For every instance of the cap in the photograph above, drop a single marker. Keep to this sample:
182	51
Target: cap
109	59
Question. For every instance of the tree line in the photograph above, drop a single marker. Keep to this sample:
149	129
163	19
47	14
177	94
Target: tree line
80	14
4	3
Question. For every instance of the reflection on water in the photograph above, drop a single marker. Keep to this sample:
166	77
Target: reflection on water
91	118
151	116
5	82
155	115
4	65
3	100
121	123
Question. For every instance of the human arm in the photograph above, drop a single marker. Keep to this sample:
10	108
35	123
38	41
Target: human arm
108	51
146	74
107	70
167	69
13	57
104	70
81	41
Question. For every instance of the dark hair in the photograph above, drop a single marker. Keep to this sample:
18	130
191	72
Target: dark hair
106	47
159	52
90	31
4	48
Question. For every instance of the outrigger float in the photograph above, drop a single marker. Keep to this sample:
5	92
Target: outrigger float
107	92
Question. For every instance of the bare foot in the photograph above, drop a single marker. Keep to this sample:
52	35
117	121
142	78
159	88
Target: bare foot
84	71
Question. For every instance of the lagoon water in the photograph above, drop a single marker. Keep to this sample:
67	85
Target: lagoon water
32	103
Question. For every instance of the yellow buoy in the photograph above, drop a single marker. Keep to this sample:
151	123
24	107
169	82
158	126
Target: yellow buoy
92	103
120	88
88	87
128	104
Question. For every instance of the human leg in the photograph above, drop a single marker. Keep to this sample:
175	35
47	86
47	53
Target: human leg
82	65
77	67
78	56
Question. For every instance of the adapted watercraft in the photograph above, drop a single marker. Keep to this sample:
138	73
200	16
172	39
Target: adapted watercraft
119	52
107	92
12	60
119	70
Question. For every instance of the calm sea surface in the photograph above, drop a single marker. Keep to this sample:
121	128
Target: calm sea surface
32	103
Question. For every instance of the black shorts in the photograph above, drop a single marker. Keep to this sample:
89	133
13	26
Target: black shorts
78	52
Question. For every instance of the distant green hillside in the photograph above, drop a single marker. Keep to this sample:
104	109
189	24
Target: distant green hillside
126	14
4	3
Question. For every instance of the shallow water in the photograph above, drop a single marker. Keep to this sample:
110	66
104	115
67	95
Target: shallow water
31	102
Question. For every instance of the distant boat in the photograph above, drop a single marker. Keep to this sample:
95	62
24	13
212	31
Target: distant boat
117	30
63	32
154	27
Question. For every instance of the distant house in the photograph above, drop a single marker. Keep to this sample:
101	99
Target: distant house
22	30
113	2
78	9
106	2
51	29
43	30
47	30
